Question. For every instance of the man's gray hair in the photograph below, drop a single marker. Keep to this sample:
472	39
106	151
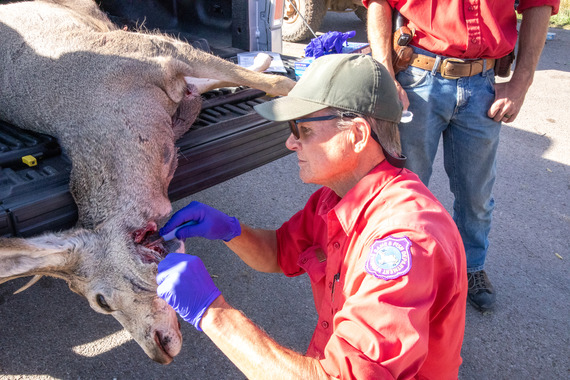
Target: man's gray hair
387	131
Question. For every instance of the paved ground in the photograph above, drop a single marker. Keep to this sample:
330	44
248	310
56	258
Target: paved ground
49	332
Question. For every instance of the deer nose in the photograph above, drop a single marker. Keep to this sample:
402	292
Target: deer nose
170	343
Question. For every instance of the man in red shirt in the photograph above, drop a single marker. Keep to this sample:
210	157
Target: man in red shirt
450	90
385	259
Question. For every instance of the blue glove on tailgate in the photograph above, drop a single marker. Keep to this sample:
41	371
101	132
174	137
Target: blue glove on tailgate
328	43
210	223
185	284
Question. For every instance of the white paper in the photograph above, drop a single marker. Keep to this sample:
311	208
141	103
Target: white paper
246	60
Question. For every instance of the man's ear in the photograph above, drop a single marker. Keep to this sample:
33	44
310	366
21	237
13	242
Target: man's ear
361	133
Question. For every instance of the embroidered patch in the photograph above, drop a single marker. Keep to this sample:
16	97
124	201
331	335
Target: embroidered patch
389	258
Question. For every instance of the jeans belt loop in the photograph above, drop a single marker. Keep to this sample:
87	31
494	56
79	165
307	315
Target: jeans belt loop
488	64
436	65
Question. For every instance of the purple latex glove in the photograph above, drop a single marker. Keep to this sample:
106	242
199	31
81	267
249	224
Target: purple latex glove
210	223
185	284
328	43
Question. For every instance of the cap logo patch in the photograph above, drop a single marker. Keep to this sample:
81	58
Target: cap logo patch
389	258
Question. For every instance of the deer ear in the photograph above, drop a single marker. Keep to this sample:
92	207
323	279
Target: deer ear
51	254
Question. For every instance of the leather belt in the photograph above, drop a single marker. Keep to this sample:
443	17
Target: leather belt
452	68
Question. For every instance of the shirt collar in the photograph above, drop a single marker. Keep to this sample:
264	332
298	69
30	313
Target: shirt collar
348	208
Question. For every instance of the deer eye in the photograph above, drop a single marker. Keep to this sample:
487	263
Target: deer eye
101	302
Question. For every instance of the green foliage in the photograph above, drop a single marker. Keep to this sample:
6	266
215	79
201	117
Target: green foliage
562	19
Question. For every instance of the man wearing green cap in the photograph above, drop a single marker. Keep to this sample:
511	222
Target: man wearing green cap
385	260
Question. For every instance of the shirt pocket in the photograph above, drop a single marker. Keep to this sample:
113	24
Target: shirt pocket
313	261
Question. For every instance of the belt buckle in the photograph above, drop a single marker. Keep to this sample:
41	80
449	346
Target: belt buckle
443	65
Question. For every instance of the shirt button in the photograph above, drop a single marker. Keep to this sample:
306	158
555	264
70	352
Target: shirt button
303	260
474	40
336	245
325	324
471	8
330	285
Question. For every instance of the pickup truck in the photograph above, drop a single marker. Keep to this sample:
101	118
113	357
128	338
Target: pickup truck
227	139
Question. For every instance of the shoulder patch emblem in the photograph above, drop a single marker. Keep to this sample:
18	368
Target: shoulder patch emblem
389	258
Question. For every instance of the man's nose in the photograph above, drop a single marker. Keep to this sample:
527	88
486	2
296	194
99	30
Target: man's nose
292	143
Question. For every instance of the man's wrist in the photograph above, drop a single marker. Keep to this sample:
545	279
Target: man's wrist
212	316
235	229
522	78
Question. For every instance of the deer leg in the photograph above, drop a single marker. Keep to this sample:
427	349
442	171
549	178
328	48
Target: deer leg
261	63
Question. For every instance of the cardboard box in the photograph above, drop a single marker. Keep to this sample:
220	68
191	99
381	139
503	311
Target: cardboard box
301	66
356	48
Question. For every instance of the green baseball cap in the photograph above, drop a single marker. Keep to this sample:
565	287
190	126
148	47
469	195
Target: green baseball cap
352	82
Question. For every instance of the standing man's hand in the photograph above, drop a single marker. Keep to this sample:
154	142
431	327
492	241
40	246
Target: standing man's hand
185	284
509	96
210	223
402	95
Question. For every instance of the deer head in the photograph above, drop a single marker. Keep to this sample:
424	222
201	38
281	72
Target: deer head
94	264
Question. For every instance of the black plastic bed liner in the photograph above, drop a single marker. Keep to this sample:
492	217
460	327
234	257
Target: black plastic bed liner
227	139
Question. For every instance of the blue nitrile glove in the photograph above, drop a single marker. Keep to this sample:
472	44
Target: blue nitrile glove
210	223
314	48
328	43
185	284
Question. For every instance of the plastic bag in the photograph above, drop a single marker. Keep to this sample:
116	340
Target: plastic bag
328	43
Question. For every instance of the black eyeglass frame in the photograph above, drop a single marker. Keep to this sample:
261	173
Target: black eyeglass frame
293	124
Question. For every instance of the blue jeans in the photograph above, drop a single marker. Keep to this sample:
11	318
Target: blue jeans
457	110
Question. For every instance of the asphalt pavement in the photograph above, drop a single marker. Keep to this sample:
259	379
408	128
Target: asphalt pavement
49	332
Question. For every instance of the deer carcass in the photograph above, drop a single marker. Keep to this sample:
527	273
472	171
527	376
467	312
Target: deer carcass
117	101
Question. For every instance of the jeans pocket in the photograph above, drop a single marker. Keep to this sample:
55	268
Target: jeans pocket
413	77
490	81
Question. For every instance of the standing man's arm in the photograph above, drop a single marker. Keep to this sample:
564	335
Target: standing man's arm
509	96
379	31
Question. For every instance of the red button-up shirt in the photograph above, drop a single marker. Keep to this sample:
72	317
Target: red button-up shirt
369	327
465	28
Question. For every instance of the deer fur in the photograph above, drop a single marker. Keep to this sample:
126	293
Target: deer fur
116	101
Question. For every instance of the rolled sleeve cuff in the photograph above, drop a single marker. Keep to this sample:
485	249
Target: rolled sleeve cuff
367	2
351	363
524	5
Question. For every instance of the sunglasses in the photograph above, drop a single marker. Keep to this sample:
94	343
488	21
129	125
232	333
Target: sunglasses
398	162
294	126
